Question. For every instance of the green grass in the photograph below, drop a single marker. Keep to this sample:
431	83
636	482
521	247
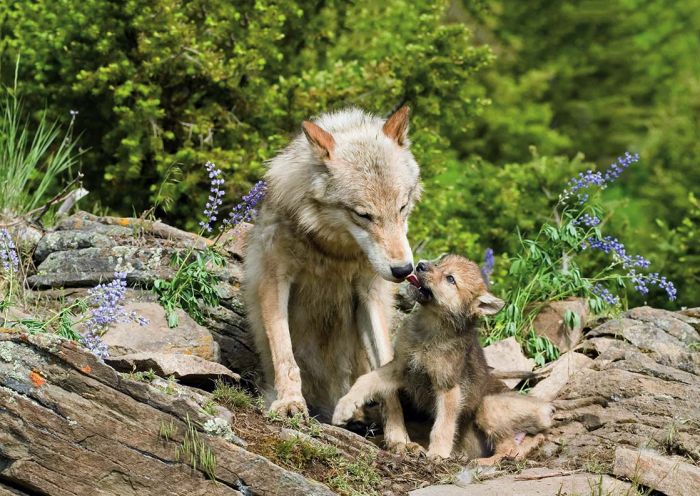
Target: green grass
194	451
300	453
32	158
231	396
167	430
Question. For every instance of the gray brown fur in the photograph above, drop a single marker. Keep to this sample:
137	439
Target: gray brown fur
441	366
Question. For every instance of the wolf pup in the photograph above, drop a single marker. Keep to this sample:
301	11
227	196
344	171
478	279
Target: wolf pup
328	242
441	366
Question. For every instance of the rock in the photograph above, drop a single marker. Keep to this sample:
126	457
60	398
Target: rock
507	356
639	391
677	325
90	266
188	369
187	337
565	366
550	322
535	482
670	475
234	240
72	425
70	240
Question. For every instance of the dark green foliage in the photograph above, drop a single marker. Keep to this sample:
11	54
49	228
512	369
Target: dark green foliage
194	284
498	118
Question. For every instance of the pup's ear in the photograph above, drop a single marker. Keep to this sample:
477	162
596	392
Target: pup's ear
488	304
321	141
396	126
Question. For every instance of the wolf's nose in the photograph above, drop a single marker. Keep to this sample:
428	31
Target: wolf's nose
422	267
402	272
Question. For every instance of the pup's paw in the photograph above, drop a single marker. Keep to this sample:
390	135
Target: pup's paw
344	411
290	406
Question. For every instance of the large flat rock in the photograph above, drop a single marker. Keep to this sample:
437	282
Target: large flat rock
535	482
70	425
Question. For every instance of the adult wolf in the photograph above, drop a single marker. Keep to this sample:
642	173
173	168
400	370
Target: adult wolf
328	241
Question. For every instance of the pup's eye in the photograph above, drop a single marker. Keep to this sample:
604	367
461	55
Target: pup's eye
451	280
363	215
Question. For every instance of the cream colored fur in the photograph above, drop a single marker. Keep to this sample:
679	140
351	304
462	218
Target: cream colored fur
317	273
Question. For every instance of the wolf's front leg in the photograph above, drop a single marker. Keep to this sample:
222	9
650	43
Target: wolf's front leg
273	293
442	434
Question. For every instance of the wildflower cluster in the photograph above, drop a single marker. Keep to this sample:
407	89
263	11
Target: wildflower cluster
107	302
488	265
642	282
216	193
612	245
247	209
589	179
588	220
605	294
8	252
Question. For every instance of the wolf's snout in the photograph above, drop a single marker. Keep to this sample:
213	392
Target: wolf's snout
401	272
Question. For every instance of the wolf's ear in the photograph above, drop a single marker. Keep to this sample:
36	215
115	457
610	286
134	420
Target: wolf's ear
488	304
396	126
321	141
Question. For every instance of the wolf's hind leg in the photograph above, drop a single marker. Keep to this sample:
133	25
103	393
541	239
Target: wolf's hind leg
377	384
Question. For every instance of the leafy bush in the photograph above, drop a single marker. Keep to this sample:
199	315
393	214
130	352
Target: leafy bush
162	82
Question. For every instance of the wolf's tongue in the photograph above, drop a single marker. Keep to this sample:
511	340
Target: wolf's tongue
412	279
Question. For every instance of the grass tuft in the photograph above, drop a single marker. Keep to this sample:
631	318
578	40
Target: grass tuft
231	396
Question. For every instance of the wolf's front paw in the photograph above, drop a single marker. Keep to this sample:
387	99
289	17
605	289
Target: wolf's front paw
438	453
344	411
290	406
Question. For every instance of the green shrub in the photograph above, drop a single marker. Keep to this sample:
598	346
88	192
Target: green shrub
159	82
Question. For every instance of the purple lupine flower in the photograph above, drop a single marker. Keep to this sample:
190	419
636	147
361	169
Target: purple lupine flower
8	252
587	220
590	178
605	294
93	342
618	167
488	265
642	282
107	302
216	193
247	209
612	245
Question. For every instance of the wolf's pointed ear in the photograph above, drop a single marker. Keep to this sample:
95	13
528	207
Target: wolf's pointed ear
396	126
488	304
321	141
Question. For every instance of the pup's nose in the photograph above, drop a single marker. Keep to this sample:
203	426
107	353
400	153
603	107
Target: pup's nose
423	266
402	272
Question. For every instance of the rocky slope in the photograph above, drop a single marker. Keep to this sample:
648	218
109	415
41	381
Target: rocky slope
71	424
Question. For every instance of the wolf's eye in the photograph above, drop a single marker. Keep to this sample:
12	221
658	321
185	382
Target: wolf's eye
363	215
403	208
451	279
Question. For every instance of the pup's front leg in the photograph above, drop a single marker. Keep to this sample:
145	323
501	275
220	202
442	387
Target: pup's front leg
442	435
273	293
373	385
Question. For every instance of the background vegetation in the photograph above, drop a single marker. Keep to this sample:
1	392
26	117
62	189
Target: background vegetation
509	100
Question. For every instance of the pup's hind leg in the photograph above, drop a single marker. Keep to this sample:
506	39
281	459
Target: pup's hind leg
504	414
506	417
515	447
377	384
